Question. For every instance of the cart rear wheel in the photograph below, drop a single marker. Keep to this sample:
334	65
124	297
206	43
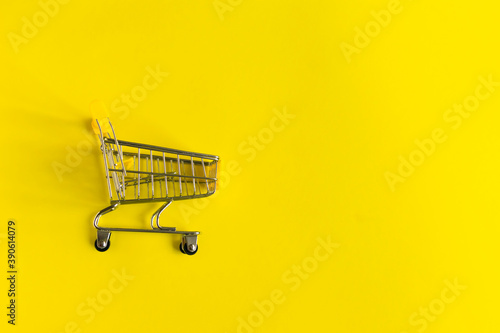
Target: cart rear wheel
102	249
187	251
180	248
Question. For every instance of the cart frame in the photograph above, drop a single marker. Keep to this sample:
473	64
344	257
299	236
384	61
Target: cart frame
170	176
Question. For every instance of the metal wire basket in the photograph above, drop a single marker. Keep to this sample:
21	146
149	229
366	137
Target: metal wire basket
141	173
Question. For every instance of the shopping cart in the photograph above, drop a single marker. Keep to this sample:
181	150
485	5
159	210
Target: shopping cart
140	173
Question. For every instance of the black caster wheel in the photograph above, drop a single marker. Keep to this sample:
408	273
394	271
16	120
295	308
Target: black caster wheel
186	251
104	249
180	248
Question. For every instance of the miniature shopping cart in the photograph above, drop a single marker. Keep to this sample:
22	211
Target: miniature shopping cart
140	173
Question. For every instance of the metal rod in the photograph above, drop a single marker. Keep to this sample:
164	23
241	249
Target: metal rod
135	186
103	149
125	153
102	212
194	181
204	173
158	216
158	212
138	173
117	145
163	149
173	183
152	181
173	174
185	180
165	170
114	175
158	168
185	197
179	170
158	231
147	183
199	187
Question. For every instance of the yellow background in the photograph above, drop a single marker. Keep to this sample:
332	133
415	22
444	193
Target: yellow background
321	176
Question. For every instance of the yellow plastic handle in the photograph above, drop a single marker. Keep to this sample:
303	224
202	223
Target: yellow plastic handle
128	163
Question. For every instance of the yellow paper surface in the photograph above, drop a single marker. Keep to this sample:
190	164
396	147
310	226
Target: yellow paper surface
357	192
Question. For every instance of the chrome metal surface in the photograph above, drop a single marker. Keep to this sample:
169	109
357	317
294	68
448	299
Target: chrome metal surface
130	166
190	241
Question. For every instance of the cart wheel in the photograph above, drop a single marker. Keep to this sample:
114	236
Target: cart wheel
186	250
180	248
102	249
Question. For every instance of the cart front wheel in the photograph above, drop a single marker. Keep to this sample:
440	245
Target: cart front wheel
100	249
189	249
